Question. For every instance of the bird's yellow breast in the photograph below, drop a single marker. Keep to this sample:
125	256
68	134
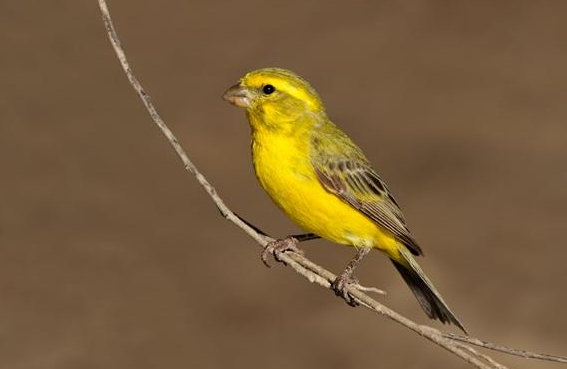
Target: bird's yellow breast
284	171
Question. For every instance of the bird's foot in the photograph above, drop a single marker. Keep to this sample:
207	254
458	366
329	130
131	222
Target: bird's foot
279	246
342	283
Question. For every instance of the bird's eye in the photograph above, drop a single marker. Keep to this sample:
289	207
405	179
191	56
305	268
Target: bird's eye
268	89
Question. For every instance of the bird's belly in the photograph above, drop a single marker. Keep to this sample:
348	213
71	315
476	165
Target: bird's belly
289	179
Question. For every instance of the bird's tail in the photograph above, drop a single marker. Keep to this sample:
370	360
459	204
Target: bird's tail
429	299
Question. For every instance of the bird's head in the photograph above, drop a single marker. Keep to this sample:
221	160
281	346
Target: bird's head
274	96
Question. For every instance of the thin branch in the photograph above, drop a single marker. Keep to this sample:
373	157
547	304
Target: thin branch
303	266
482	356
507	350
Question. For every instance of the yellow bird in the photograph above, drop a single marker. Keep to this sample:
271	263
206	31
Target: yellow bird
321	179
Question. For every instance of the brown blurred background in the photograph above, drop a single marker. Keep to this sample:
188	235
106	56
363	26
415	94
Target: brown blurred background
111	256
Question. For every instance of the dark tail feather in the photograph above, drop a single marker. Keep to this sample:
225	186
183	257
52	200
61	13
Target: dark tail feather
429	299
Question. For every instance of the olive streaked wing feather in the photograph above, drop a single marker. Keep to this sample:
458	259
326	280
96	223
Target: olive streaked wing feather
359	185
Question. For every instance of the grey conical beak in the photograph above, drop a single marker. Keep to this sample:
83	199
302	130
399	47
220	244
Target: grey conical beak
238	96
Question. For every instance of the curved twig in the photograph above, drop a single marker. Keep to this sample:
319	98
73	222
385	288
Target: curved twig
303	266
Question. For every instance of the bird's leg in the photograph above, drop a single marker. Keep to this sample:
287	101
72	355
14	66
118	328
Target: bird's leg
282	245
346	279
305	237
285	244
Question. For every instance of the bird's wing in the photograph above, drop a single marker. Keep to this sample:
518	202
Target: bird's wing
350	176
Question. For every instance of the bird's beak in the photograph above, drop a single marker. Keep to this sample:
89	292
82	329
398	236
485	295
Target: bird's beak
238	96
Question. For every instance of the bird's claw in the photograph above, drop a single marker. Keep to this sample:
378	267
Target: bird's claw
341	285
278	246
